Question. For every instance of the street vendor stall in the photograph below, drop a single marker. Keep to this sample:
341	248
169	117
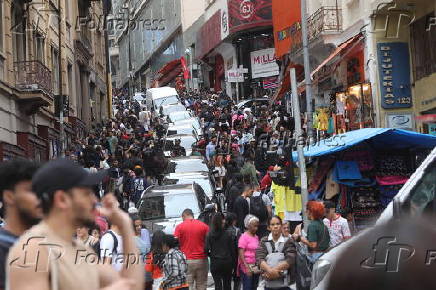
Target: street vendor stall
362	171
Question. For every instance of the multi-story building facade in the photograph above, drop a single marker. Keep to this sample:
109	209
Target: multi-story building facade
371	61
49	48
161	32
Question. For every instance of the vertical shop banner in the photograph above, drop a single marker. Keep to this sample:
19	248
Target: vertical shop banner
244	14
209	35
394	68
286	16
263	63
225	29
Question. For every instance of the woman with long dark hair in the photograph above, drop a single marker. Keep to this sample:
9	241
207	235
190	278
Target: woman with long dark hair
155	257
221	255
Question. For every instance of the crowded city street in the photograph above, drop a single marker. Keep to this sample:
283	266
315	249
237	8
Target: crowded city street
217	144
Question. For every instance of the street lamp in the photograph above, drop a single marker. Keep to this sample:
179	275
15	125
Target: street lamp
188	51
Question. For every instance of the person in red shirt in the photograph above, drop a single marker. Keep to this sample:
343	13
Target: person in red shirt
192	235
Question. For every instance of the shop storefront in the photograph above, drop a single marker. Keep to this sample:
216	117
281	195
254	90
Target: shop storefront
343	96
363	170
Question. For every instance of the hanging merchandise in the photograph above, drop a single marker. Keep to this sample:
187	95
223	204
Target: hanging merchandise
331	187
323	120
331	126
361	176
322	168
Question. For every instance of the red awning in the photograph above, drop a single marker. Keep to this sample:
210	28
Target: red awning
427	118
168	72
341	48
169	67
286	82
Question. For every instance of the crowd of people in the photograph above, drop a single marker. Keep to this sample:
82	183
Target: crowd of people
247	150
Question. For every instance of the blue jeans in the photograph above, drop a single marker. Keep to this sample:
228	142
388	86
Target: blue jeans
249	283
313	257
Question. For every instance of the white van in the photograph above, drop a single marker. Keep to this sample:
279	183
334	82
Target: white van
416	196
158	97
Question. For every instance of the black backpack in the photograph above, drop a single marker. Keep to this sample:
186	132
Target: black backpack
258	208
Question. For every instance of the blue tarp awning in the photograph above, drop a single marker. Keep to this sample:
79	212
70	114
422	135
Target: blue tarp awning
380	138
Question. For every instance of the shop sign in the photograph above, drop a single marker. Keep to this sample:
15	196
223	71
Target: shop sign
400	121
394	67
263	63
236	75
432	129
244	14
224	22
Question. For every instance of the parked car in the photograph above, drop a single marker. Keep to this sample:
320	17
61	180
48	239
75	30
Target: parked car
168	109
204	179
158	97
161	207
414	198
187	164
249	103
186	141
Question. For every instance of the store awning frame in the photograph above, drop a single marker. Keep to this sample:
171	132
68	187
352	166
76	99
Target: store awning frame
346	46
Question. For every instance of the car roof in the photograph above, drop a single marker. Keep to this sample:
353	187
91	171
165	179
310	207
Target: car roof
187	158
174	105
199	174
158	93
178	136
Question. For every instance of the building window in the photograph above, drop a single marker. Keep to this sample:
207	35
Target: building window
55	70
39	47
424	43
70	80
18	32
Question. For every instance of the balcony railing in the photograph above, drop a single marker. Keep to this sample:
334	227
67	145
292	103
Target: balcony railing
327	19
32	75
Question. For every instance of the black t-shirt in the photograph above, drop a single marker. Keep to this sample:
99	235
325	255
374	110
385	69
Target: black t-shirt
7	239
241	209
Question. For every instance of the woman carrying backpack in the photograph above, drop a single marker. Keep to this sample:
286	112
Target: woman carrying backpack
276	256
221	254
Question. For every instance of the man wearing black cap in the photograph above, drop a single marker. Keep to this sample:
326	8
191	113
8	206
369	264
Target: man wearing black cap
21	207
47	255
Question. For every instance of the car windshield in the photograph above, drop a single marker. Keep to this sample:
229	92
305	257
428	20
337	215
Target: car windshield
174	108
180	130
168	206
166	101
179	116
423	194
185	141
194	165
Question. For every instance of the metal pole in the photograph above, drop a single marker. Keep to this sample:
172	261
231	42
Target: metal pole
191	69
300	145
307	71
130	57
62	99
